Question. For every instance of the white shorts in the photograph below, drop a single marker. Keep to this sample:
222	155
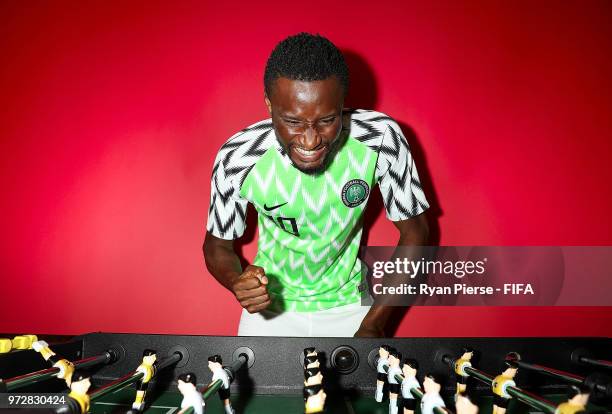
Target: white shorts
342	321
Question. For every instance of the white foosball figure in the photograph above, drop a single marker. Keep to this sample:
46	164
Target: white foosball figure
381	373
191	396
394	385
409	369
215	364
431	396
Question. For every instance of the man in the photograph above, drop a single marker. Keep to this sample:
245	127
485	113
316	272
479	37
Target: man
308	171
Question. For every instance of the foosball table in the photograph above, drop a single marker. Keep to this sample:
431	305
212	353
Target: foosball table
110	373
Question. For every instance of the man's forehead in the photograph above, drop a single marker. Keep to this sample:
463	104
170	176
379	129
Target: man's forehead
290	89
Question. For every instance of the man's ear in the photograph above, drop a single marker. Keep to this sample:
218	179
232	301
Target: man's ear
268	103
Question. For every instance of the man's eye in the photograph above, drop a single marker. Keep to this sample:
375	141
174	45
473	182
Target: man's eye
292	122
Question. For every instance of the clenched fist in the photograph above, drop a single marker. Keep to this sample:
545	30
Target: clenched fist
251	289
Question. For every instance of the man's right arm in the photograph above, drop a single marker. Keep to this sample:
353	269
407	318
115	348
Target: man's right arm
249	286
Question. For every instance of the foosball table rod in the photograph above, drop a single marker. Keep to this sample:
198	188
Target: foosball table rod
528	398
17	382
215	385
590	381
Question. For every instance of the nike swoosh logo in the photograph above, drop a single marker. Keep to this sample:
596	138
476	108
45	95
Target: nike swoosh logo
273	207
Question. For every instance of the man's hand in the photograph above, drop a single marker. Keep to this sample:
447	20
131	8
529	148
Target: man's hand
250	288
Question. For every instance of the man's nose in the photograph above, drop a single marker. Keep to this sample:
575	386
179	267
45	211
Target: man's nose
311	138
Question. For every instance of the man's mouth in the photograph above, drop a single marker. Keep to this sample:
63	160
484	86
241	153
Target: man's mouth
309	156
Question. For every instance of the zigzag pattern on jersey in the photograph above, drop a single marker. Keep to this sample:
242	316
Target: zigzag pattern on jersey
227	214
376	130
395	163
316	268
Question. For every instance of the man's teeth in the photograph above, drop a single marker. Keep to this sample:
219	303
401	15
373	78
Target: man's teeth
305	152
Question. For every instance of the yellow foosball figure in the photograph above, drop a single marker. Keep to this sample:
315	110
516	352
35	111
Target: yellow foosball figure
500	386
315	399
78	389
464	361
66	368
577	401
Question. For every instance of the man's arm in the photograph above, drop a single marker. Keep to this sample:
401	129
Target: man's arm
413	232
223	263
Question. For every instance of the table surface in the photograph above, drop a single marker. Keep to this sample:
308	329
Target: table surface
168	402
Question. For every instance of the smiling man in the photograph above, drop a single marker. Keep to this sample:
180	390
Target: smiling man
309	171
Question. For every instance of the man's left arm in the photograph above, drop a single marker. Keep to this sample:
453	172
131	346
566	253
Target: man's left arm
413	232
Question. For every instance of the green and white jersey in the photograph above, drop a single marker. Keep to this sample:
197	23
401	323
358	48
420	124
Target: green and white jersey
310	225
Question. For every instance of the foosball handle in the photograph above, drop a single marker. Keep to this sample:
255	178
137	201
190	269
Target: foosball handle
231	370
600	384
578	354
444	358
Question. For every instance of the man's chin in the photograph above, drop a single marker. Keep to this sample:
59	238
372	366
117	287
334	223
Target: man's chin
311	169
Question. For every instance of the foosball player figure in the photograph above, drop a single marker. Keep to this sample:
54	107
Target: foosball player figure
66	368
311	362
394	386
464	361
310	351
187	386
577	401
431	394
500	385
464	404
409	369
381	373
147	368
315	399
78	399
313	376
215	365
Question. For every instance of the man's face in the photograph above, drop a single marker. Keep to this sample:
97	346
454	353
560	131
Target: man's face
307	118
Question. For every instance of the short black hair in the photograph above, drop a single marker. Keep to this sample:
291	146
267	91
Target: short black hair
412	363
309	350
215	358
311	372
574	390
310	359
305	57
434	377
188	377
311	390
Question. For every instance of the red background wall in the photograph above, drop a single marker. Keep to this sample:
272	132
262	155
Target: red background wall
112	113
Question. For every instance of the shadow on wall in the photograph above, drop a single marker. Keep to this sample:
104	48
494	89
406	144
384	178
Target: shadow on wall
363	94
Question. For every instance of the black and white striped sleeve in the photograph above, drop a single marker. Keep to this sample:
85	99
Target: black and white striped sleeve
227	212
398	178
